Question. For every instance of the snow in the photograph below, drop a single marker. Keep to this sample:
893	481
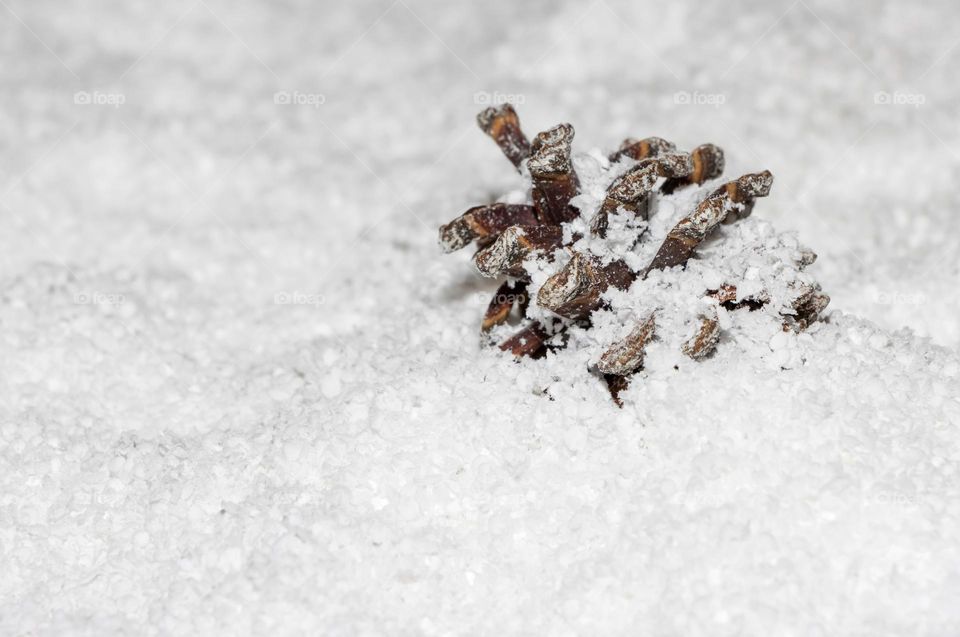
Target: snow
243	392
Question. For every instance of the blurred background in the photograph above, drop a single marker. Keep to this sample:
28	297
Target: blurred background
260	147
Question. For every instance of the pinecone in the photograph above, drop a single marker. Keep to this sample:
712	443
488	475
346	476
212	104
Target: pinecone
579	247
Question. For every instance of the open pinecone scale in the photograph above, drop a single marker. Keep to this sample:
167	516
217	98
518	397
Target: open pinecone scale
614	254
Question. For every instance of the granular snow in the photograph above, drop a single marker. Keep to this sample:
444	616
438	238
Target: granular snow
242	392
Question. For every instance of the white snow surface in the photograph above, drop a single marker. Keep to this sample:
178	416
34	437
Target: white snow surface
243	392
